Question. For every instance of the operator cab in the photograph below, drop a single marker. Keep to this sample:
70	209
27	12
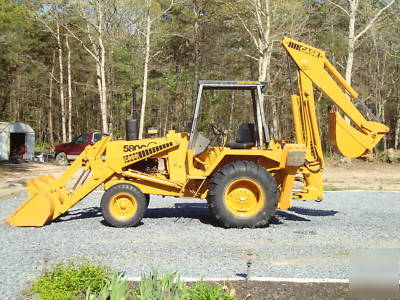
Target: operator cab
249	134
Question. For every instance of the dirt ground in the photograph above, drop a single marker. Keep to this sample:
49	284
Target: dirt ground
361	175
13	176
357	175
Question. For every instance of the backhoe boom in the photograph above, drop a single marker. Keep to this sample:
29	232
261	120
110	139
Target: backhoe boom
313	66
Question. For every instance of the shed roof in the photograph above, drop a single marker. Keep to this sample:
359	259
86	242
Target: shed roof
15	127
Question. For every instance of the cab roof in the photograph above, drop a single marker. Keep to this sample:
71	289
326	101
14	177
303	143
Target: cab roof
231	85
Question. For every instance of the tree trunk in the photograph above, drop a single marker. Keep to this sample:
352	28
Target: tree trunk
351	40
62	101
397	135
145	73
196	28
102	61
265	53
69	89
50	111
103	97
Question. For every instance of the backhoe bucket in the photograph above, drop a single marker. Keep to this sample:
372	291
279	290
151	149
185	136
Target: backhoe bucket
350	141
43	205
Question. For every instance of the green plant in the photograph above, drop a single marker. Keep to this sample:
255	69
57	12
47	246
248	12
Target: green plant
332	188
205	291
115	289
66	280
162	286
42	147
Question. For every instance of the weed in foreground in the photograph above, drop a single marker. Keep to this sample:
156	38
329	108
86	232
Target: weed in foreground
116	289
67	280
84	280
162	286
206	291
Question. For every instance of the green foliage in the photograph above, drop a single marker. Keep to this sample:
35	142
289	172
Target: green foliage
206	291
169	286
66	280
73	280
42	147
162	286
115	289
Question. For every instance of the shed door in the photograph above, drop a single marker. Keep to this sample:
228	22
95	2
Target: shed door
17	142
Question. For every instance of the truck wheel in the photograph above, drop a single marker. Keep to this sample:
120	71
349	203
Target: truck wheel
61	159
123	205
242	194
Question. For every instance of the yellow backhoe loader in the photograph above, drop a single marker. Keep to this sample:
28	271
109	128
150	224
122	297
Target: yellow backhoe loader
244	181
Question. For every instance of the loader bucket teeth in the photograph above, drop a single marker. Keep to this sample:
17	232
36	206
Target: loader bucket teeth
42	205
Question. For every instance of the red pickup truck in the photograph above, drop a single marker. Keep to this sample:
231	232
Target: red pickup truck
63	153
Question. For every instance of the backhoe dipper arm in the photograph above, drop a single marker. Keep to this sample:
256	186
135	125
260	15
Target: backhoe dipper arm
313	66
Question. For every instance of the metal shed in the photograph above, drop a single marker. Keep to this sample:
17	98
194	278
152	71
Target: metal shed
12	136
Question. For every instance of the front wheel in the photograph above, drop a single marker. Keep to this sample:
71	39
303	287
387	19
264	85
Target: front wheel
61	159
242	194
123	205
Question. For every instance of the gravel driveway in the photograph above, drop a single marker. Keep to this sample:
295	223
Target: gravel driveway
313	240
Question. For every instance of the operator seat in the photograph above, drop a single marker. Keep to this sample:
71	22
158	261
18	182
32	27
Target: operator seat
245	137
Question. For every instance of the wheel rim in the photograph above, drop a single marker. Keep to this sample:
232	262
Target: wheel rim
62	157
244	197
123	206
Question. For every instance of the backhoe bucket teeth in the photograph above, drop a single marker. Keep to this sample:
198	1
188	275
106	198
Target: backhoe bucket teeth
43	205
349	141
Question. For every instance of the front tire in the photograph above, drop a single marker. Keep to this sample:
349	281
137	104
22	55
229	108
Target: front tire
242	194
61	159
123	205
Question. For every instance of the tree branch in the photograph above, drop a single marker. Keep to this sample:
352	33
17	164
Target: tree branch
255	58
163	13
338	6
373	20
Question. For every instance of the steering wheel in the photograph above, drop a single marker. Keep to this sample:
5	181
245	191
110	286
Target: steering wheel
216	130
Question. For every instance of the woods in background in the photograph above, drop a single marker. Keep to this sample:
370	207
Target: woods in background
68	67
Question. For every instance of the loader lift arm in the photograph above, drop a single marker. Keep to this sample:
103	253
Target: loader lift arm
49	198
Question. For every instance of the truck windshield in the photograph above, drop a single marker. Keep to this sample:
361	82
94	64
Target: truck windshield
82	139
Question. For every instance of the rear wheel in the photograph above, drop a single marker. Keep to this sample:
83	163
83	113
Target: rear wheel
147	196
61	159
123	205
242	194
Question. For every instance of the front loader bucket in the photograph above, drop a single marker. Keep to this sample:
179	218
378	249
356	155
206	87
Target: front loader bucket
43	205
49	198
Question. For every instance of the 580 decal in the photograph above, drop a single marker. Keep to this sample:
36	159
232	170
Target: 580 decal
131	148
130	158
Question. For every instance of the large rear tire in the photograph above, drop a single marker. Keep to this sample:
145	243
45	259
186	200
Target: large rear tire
242	194
123	205
147	197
